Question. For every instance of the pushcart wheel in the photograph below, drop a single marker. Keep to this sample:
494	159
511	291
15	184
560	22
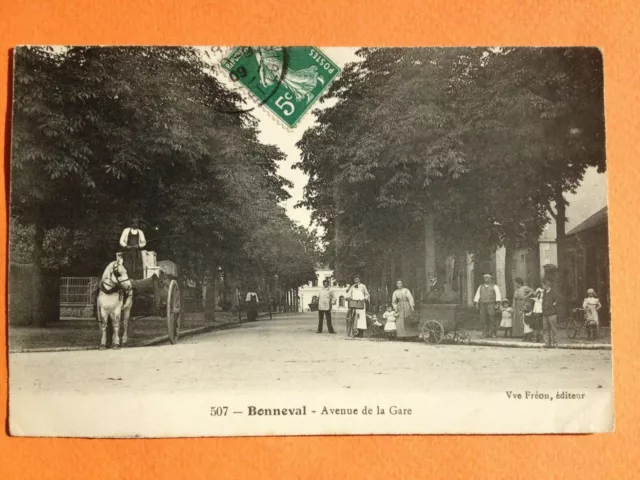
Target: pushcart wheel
572	328
464	337
432	332
174	311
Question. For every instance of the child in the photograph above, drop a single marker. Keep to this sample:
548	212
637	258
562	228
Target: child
527	321
591	305
390	322
507	318
537	313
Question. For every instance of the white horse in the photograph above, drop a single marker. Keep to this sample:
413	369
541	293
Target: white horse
115	299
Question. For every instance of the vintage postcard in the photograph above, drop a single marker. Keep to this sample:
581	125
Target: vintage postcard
243	241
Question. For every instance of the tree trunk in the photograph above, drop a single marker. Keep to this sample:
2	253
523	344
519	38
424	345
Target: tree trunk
510	247
405	262
392	271
211	298
45	305
561	226
385	269
429	247
419	272
336	232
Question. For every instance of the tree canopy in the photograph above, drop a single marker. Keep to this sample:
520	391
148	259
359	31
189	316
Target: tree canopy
464	148
101	134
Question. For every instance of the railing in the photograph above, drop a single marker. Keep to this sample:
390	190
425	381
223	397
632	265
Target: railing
78	291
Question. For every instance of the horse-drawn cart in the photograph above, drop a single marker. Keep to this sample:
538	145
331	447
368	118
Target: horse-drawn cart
156	295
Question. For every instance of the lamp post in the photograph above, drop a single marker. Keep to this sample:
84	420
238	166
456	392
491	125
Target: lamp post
277	293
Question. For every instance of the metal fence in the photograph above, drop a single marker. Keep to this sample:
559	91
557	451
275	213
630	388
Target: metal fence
78	291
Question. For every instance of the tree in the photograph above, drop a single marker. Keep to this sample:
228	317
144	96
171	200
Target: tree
103	133
455	144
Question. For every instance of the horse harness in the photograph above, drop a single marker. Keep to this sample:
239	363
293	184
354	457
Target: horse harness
116	287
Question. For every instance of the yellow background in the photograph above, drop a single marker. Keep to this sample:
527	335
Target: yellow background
613	26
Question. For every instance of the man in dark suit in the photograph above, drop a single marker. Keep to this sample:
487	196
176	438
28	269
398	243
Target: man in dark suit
549	314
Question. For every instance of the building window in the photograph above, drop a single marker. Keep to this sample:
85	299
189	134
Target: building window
341	301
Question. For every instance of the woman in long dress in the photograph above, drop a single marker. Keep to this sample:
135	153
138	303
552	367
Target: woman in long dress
252	303
521	294
403	303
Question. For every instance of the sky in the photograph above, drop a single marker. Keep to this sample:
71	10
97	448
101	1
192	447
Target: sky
273	132
590	197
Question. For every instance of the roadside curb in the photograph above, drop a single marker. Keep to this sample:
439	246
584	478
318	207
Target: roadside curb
190	333
146	343
493	343
564	346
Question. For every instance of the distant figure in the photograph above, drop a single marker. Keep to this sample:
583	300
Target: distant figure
487	298
252	302
591	305
133	241
326	299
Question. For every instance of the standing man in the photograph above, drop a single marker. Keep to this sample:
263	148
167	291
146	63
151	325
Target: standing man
549	314
487	298
326	299
435	290
358	292
133	241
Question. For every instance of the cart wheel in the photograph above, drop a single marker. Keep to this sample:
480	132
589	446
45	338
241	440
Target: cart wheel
174	311
464	337
572	328
432	332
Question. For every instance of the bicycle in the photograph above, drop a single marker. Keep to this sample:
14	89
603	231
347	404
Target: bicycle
578	322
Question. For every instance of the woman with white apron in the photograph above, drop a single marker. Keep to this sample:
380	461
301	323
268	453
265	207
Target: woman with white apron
358	291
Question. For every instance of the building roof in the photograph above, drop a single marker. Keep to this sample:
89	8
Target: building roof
596	220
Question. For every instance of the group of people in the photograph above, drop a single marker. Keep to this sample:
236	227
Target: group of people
398	320
533	314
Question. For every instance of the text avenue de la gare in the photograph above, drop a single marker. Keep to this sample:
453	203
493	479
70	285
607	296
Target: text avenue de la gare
254	411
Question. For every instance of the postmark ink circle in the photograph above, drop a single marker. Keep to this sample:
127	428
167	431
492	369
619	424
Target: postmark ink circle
239	73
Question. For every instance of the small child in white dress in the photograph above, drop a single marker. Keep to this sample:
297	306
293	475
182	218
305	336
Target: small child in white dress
507	318
591	305
537	314
390	326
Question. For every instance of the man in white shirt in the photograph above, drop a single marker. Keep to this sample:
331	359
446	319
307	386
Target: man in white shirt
133	240
326	298
487	298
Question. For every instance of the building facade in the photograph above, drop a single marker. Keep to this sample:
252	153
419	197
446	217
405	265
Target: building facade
308	294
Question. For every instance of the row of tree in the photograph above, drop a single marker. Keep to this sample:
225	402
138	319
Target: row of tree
101	134
435	152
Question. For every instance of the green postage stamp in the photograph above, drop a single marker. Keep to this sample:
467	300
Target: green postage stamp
288	80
